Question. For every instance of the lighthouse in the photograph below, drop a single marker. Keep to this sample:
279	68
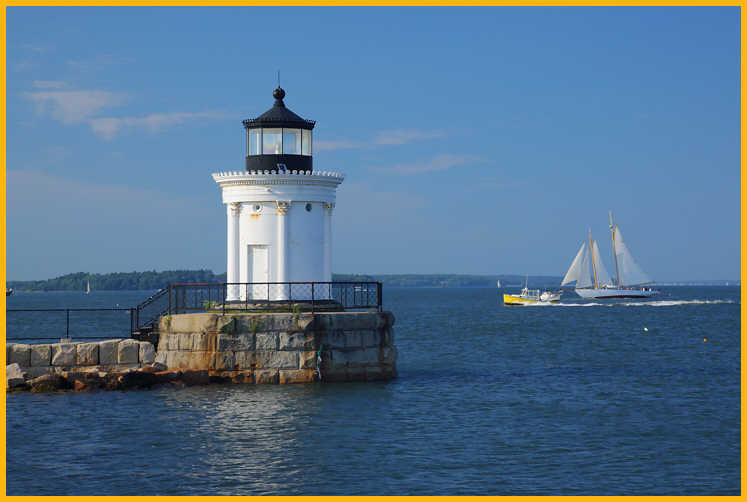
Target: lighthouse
278	210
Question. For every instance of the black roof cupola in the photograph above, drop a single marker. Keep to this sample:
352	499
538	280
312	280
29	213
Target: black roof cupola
278	140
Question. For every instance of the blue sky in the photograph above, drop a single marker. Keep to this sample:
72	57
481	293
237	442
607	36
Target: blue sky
473	140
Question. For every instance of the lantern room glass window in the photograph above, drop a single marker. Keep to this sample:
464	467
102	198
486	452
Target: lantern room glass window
255	141
276	141
306	142
272	141
292	141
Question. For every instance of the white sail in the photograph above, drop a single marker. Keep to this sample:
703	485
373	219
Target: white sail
631	273
603	277
579	269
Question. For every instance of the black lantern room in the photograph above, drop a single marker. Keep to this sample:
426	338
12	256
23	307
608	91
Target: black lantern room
278	140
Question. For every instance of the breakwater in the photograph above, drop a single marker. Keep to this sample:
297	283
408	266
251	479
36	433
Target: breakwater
281	347
202	348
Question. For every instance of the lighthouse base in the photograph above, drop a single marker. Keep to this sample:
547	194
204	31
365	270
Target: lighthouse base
281	347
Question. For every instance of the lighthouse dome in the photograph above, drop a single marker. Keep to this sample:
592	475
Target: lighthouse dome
278	140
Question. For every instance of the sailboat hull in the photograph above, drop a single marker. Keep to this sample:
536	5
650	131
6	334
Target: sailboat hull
611	293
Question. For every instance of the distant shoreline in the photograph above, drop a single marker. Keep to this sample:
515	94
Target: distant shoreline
152	280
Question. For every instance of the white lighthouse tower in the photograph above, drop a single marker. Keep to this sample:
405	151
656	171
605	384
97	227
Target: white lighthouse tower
278	210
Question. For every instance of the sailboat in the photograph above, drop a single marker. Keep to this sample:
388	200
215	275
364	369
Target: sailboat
88	287
595	282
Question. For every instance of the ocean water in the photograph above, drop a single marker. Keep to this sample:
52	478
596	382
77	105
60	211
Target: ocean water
570	399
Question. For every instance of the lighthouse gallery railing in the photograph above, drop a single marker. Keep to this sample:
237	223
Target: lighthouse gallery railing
274	297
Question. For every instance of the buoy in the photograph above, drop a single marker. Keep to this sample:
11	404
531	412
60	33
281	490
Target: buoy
645	328
704	339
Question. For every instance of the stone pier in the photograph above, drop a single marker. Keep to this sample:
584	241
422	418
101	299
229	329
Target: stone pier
197	349
281	347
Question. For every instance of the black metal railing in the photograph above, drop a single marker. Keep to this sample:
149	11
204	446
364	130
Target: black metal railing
108	322
274	296
148	312
102	323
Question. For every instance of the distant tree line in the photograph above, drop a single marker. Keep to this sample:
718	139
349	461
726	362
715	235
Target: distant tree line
117	281
148	280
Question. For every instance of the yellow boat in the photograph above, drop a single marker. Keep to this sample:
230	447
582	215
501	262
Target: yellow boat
528	296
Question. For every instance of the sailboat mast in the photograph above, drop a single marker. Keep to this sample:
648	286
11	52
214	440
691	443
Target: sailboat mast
593	265
614	252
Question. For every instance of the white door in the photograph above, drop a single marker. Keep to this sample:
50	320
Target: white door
259	270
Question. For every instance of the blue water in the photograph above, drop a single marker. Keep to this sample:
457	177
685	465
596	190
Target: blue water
571	399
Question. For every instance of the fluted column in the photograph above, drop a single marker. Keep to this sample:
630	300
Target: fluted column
282	248
232	250
328	207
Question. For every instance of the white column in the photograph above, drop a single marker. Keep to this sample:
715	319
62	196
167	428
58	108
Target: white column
328	207
282	249
232	250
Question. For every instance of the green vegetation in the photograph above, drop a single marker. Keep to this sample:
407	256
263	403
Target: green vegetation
155	280
118	281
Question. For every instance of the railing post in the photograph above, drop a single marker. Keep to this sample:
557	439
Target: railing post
312	298
170	286
378	295
67	328
290	297
225	288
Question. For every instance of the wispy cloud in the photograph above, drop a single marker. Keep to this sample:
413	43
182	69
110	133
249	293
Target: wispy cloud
99	61
108	127
48	84
404	136
342	144
440	162
391	137
23	65
37	48
71	107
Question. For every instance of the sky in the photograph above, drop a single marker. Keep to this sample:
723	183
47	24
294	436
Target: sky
473	140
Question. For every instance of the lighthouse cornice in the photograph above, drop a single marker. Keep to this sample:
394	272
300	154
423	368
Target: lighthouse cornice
318	178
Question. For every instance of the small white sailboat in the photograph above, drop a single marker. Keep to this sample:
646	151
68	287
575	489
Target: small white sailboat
499	283
595	282
88	287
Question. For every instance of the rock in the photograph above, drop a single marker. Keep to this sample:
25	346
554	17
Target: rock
272	359
159	366
161	356
267	341
49	383
195	377
108	352
137	379
147	353
19	353
85	380
224	361
266	376
63	354
15	376
128	352
41	355
297	376
87	354
307	360
295	341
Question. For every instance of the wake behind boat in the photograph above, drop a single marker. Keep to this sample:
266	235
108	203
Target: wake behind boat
592	279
